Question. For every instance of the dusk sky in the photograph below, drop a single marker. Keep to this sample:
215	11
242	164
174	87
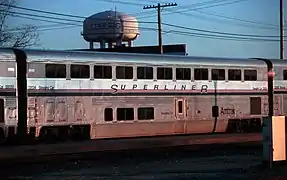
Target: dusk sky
246	17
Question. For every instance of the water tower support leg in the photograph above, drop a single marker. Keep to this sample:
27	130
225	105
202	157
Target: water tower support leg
91	45
110	44
102	45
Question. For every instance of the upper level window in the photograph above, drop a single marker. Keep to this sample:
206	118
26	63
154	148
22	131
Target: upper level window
200	74
144	72
183	74
102	72
55	71
218	74
80	71
124	72
250	75
234	74
164	73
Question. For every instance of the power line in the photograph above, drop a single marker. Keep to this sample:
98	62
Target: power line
41	11
71	20
216	32
237	19
266	25
233	23
195	29
58	14
213	5
69	25
197	8
182	6
177	26
122	2
201	35
209	2
221	37
152	1
38	19
187	28
41	16
260	25
190	34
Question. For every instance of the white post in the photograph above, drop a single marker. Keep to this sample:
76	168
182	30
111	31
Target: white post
274	139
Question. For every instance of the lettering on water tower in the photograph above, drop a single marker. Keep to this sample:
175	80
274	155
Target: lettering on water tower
106	25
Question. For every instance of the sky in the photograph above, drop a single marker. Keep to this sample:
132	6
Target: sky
246	17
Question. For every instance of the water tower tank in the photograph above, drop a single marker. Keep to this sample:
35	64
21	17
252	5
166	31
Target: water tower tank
110	26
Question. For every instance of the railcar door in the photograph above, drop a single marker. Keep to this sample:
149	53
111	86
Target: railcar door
180	108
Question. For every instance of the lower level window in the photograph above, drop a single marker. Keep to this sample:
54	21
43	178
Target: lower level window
125	114
108	114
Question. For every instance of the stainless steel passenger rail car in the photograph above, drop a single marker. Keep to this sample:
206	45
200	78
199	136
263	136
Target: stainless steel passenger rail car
111	95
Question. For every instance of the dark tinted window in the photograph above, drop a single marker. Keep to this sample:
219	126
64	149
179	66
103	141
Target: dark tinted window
183	74
200	74
80	71
125	114
102	72
250	75
284	74
123	72
218	74
180	106
144	72
55	71
108	114
234	74
145	113
164	73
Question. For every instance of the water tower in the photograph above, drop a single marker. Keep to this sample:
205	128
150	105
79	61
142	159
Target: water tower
110	27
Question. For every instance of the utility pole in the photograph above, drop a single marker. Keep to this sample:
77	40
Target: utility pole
158	7
281	30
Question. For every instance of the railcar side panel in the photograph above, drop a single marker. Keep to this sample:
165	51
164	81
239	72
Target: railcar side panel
175	96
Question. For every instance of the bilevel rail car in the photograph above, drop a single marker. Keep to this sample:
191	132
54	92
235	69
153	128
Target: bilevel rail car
111	95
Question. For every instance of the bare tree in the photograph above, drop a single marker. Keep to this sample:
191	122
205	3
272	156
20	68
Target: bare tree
20	36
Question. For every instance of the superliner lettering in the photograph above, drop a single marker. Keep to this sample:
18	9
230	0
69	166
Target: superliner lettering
116	87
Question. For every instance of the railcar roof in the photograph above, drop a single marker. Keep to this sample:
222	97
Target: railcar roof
279	62
131	58
7	55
